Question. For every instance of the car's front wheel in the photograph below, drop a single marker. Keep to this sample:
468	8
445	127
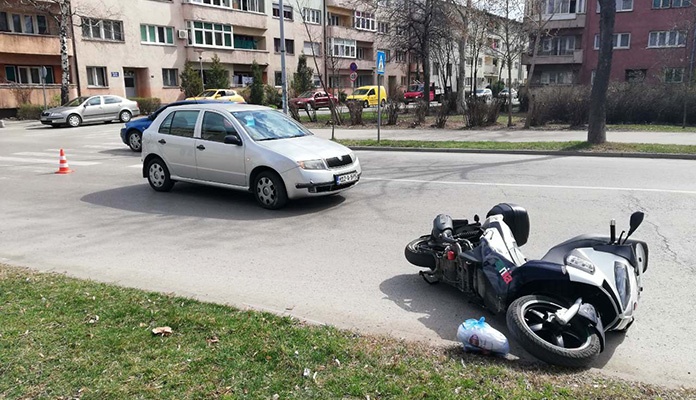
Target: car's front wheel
158	176
269	190
74	120
366	104
125	116
135	141
308	107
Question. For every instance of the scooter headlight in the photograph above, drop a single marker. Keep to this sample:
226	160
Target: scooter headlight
575	259
622	281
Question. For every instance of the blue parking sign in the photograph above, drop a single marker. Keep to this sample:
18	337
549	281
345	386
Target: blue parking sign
381	62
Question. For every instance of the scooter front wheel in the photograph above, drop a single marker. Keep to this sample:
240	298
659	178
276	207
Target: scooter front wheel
419	253
573	345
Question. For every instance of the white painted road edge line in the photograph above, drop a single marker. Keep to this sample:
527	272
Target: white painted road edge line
529	185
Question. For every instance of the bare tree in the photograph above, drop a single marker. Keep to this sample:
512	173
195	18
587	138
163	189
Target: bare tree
512	41
537	16
596	130
479	22
312	36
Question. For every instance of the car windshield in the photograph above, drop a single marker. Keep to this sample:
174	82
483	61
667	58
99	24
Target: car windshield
269	125
415	88
76	101
208	93
361	91
307	94
480	90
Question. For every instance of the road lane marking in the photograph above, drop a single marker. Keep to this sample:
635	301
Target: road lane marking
45	161
135	166
36	154
530	185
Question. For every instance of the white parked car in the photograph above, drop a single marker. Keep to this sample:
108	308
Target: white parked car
485	94
246	147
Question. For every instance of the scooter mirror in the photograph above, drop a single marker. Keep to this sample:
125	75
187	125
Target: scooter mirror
636	220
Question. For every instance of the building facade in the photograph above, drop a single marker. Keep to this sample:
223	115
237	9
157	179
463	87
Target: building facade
138	48
652	41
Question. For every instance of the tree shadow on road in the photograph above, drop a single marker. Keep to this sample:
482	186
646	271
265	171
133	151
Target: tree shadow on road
191	200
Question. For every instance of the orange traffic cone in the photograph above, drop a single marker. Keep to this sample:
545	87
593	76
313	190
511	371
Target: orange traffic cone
64	168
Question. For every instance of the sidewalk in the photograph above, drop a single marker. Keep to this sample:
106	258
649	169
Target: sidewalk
430	134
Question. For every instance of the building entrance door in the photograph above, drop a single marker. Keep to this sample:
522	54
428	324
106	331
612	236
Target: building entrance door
130	83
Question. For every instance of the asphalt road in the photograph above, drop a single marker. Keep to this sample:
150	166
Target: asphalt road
339	260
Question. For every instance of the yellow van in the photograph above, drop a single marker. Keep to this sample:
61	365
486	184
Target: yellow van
368	95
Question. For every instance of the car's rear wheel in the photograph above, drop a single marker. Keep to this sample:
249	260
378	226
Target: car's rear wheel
269	190
125	116
135	141
74	120
383	103
158	176
308	107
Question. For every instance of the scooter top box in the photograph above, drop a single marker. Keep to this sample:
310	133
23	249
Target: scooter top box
516	218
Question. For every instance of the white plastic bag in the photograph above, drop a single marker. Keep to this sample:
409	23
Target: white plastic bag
478	336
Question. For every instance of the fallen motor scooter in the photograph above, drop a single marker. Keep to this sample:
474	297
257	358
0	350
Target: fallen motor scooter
559	307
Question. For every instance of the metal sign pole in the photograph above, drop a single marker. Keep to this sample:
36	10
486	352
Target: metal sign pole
379	107
44	73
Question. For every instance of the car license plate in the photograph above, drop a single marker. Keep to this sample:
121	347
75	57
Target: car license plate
346	178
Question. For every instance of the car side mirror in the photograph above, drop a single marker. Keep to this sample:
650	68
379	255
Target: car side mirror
233	139
84	105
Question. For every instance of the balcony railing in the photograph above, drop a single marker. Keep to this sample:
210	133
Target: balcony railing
31	44
574	57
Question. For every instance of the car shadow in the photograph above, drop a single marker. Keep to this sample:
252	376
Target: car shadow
126	151
189	200
444	308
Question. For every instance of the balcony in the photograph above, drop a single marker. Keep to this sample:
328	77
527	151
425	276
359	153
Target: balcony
44	45
231	56
197	12
574	58
344	32
564	21
490	70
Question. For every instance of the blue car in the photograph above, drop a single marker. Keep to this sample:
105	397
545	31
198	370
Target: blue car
132	132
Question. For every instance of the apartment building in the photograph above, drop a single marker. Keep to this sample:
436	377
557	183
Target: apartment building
138	48
650	41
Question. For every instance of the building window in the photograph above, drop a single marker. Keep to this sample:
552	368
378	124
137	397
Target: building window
23	23
558	46
312	48
549	7
245	42
209	34
102	29
468	81
387	54
96	76
636	75
364	80
287	11
289	45
365	21
249	5
400	56
621	5
345	48
29	75
219	3
333	19
674	75
170	77
667	39
278	78
621	41
311	16
156	34
383	27
556	78
658	4
681	3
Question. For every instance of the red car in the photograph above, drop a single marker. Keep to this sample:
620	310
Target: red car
415	92
313	99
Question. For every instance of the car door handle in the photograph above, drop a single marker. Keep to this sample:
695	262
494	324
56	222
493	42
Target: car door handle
162	141
200	147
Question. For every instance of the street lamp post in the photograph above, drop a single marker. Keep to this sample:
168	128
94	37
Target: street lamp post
200	65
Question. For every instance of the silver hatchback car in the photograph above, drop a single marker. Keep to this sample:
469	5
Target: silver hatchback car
91	109
246	147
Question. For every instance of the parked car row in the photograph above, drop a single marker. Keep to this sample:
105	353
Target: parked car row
98	108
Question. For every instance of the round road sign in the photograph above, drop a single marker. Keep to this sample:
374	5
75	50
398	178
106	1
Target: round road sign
353	76
353	66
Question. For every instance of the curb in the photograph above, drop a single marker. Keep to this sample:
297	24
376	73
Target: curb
531	152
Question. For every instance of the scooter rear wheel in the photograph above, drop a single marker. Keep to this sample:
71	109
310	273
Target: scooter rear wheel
419	253
572	345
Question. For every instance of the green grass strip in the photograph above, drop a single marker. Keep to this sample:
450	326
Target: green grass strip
576	146
67	338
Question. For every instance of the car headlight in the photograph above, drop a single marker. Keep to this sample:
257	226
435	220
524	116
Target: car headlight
575	259
312	164
622	282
